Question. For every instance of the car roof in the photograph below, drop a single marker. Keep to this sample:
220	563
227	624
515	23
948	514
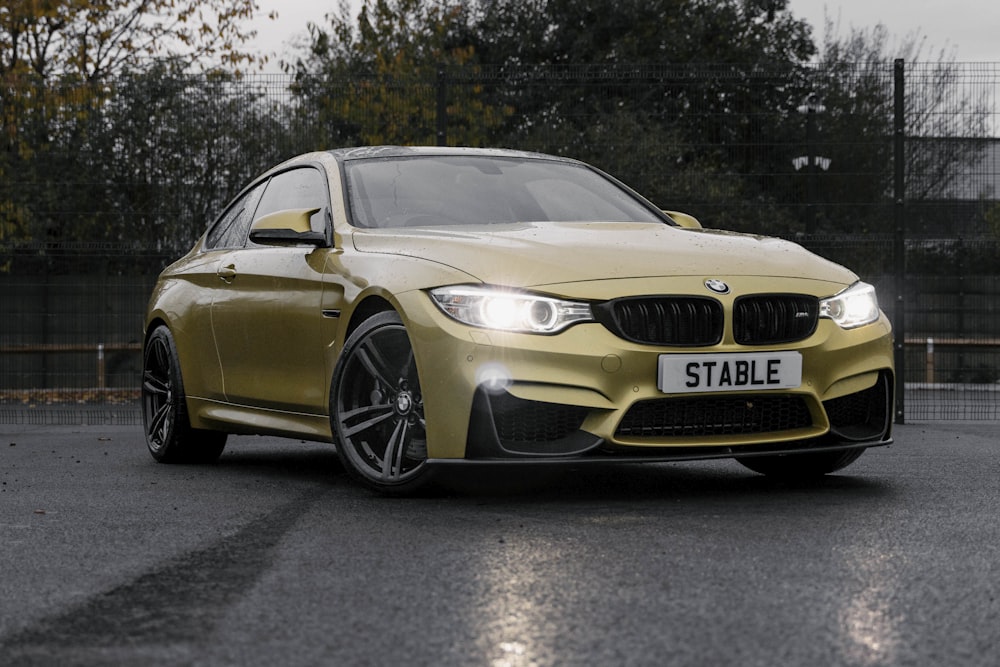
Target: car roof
368	152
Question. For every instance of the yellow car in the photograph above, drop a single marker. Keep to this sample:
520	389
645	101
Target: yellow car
423	308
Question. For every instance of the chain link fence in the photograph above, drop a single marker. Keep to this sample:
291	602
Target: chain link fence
101	186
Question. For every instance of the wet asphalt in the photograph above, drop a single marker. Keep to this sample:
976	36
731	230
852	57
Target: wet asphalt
274	556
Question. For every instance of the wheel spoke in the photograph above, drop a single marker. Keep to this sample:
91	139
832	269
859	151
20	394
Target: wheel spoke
373	361
381	412
157	424
393	458
410	369
155	385
162	357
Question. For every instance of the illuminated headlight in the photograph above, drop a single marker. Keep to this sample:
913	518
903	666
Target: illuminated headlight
494	308
856	306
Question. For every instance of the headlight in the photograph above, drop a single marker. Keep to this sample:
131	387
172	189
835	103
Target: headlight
494	308
856	306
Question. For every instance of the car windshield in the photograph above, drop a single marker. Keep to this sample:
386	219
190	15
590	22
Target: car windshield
419	191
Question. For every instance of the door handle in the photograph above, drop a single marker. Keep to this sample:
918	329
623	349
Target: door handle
227	273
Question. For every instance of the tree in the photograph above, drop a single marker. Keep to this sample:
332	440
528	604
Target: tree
643	105
90	39
165	154
153	162
705	88
59	63
746	32
945	125
377	81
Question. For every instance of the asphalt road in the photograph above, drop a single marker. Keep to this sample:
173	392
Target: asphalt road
272	556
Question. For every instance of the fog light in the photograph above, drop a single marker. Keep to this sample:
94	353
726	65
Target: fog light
495	378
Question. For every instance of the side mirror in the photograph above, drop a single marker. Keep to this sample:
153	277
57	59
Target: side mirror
289	227
684	220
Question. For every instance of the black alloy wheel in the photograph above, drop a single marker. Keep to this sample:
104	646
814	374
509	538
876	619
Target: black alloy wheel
169	435
377	409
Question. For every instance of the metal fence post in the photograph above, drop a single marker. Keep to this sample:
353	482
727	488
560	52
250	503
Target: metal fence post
442	108
899	246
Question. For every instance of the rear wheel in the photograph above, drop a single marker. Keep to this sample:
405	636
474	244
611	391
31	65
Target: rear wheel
169	435
377	408
798	466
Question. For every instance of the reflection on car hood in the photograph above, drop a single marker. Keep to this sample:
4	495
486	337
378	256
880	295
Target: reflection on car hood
537	254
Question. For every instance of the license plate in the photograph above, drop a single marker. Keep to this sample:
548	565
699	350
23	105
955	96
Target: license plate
748	371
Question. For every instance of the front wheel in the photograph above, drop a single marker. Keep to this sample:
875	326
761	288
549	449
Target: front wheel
377	408
169	435
801	466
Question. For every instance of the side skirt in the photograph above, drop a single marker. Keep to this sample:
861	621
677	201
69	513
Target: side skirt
246	420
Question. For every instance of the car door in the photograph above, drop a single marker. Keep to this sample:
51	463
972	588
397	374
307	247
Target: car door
266	315
194	335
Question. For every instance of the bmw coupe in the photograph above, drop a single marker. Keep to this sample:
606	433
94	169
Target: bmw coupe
427	308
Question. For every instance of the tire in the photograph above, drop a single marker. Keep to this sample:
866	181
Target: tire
377	410
801	466
169	436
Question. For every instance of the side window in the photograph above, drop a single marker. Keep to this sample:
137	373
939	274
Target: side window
230	230
298	188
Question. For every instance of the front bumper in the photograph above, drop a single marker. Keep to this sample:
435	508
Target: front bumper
717	426
586	395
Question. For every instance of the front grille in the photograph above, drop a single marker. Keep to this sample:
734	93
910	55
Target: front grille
518	420
714	415
771	319
664	320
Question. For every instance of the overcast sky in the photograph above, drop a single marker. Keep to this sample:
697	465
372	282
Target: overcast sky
970	28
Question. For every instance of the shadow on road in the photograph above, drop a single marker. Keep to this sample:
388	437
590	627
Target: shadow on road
725	479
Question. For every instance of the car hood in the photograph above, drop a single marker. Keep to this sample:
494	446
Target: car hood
535	255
